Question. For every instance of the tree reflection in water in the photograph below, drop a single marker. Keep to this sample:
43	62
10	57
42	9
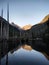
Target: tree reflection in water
6	47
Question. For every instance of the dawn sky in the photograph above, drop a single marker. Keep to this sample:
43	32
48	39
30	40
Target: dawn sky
23	12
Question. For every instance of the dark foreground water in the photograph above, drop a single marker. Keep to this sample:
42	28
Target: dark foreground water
22	57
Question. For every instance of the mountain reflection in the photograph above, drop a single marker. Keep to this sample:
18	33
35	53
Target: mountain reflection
13	48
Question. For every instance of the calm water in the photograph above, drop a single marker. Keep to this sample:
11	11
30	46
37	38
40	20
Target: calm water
22	57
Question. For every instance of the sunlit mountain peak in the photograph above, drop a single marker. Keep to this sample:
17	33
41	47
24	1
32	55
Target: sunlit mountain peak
45	19
26	27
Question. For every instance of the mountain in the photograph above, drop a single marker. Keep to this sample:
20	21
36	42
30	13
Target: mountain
45	19
17	26
26	27
40	32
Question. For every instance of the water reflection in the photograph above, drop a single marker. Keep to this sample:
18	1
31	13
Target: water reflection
12	53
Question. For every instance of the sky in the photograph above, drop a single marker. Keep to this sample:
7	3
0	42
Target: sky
23	12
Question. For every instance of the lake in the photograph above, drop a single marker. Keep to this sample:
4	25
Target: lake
13	55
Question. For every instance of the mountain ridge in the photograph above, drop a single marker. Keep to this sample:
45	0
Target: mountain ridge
26	27
44	19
